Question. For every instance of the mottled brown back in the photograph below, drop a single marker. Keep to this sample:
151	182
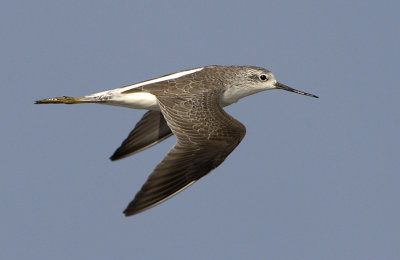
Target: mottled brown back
205	133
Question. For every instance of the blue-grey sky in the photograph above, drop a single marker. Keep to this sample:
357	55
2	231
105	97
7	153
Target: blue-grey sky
312	179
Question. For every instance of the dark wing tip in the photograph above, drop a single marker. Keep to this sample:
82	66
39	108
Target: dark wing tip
116	156
133	209
129	213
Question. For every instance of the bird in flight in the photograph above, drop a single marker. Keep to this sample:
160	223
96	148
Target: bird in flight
188	104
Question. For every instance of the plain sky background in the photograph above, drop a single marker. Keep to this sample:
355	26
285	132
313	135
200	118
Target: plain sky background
312	179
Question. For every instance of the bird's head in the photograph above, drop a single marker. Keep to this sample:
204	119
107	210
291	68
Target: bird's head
247	80
262	79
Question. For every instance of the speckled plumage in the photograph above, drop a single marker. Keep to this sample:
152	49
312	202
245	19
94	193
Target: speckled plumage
188	104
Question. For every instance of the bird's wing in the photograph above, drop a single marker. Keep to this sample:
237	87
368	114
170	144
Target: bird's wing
206	135
150	130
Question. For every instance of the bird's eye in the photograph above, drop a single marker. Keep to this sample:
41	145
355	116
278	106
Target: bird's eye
263	77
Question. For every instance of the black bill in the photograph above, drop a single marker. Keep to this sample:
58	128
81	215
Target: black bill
284	87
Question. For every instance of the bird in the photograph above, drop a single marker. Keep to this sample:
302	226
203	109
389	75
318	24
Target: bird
188	104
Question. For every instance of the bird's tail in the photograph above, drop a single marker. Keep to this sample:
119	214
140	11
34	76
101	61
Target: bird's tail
62	100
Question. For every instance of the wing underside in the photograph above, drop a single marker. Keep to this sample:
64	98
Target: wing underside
150	130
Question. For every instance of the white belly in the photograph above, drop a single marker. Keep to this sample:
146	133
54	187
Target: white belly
135	100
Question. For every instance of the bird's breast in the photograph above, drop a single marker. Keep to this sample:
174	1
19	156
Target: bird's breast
234	94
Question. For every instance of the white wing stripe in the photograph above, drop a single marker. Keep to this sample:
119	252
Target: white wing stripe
164	78
113	94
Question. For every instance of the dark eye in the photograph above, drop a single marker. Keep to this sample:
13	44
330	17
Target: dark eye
263	77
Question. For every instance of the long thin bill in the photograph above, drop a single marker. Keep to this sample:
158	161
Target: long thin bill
284	87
